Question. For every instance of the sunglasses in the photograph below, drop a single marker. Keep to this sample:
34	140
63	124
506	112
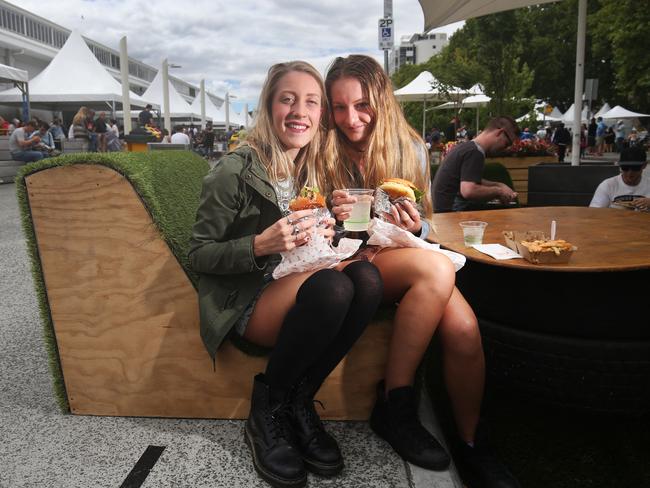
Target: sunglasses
628	167
510	141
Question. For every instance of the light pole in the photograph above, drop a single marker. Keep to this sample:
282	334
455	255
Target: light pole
227	102
165	80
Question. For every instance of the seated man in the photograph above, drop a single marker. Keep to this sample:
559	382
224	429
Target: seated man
22	143
459	181
631	188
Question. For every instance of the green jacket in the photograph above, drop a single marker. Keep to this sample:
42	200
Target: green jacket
237	202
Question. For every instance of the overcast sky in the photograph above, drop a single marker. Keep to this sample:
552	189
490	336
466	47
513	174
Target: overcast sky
232	44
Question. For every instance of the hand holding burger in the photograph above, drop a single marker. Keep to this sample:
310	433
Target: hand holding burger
403	196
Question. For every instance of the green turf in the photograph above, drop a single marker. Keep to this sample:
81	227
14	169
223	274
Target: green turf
169	183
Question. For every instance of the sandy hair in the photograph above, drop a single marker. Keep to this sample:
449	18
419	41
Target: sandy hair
80	116
263	139
394	149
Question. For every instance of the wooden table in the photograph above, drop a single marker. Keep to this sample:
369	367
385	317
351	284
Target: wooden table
577	334
607	239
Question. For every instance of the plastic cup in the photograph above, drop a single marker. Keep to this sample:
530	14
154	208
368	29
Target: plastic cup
360	214
473	232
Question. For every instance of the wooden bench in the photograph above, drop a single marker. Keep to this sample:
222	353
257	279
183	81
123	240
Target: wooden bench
122	302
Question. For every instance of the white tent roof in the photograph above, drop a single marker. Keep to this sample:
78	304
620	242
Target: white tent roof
477	89
418	90
604	109
9	73
442	12
619	112
567	118
211	111
73	76
178	107
539	117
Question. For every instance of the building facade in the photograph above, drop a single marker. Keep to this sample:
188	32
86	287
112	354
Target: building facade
416	49
30	42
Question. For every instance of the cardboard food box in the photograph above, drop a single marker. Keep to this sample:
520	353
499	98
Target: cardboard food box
534	246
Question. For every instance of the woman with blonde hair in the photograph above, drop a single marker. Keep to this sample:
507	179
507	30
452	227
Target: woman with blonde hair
368	141
78	128
310	319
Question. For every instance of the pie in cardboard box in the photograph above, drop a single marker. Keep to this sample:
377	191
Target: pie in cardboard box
535	247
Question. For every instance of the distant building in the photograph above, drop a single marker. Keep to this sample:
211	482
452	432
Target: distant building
416	49
30	42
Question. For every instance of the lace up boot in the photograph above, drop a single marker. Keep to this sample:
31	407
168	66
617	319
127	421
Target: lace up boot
319	449
268	435
394	419
479	466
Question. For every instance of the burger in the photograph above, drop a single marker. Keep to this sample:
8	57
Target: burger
399	188
309	198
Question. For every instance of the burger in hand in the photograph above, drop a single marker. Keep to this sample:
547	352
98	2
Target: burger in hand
398	188
309	198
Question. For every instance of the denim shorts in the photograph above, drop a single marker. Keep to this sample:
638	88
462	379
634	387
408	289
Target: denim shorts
242	322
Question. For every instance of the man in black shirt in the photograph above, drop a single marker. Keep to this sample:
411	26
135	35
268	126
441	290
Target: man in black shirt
459	181
144	117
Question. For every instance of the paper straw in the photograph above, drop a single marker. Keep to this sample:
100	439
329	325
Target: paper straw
553	228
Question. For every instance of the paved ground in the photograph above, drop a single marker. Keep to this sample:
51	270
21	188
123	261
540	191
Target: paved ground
41	447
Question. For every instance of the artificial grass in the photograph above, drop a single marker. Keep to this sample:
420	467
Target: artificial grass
169	183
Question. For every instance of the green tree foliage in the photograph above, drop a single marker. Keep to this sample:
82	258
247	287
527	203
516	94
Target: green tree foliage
620	36
530	53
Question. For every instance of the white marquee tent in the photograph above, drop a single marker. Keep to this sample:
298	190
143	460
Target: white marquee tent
567	118
619	112
217	116
178	107
604	109
73	77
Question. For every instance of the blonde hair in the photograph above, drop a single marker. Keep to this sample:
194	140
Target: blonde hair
263	139
80	116
393	146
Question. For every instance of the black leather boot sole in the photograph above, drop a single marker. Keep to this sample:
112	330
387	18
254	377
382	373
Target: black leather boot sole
323	469
271	478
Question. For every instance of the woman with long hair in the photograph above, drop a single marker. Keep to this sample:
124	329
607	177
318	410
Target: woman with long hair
368	141
310	319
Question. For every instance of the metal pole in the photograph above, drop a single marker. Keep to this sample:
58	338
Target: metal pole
165	80
227	102
246	115
126	96
424	116
386	62
202	104
579	82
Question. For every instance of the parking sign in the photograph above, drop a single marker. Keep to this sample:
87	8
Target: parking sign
386	33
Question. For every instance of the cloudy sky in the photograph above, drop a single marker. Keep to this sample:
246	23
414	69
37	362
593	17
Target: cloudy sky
232	43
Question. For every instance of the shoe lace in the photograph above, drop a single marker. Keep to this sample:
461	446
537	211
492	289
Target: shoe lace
279	423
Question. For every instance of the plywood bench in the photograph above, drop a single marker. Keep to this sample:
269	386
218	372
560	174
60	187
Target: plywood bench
109	244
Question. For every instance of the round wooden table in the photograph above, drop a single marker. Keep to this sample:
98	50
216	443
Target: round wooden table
576	333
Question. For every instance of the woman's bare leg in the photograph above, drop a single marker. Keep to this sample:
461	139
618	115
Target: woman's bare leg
422	281
272	307
463	363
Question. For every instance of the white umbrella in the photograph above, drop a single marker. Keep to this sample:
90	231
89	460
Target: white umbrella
421	89
619	112
442	12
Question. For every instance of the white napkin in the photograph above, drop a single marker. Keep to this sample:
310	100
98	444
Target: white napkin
497	251
385	234
317	254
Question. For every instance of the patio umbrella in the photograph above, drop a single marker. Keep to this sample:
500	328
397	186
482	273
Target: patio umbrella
442	12
421	89
619	112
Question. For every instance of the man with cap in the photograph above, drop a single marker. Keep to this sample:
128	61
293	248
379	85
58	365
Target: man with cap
144	117
631	188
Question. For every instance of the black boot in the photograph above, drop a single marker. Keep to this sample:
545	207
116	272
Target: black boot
267	435
479	467
395	420
319	450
